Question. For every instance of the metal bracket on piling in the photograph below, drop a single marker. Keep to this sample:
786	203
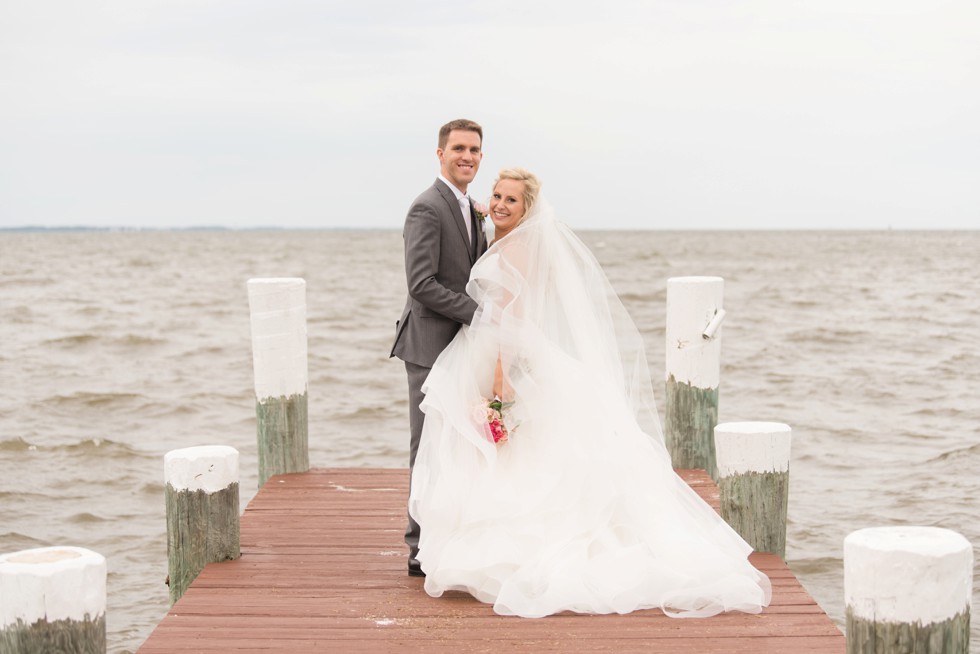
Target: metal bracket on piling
709	331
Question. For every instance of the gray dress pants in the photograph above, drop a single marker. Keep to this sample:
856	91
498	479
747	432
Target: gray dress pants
416	376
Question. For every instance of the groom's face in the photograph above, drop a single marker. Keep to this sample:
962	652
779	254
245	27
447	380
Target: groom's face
460	159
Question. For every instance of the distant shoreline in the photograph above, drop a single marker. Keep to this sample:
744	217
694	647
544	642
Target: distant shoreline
207	228
217	228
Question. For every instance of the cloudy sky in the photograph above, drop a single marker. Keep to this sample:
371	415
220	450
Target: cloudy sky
662	114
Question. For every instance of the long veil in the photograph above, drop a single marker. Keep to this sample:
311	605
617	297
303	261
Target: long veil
542	282
560	331
580	509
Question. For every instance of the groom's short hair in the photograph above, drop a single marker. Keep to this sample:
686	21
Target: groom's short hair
459	123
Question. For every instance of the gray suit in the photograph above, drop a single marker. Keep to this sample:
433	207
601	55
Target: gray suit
438	259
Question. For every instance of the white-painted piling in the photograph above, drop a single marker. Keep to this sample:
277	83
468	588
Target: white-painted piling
52	599
753	481
908	589
279	356
694	315
203	523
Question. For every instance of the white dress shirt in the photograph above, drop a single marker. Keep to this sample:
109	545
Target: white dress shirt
464	206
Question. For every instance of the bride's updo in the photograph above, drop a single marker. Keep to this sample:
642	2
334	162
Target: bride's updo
532	185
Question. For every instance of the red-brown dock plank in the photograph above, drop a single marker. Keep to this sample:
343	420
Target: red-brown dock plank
323	570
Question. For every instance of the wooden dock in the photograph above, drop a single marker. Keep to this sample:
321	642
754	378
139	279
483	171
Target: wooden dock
323	569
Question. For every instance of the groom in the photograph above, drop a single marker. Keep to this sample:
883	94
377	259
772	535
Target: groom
443	239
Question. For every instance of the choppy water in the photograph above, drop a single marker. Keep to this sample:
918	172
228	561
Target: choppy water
118	347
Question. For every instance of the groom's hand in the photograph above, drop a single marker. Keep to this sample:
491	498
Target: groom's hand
485	314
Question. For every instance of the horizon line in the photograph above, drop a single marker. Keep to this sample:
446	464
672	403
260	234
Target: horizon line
221	228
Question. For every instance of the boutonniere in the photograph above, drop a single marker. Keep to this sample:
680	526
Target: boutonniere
481	210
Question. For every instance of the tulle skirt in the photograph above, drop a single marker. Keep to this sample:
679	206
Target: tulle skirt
580	510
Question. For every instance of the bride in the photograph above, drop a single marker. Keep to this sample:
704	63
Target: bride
575	507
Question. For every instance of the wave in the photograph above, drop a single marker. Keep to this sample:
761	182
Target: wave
827	335
22	495
86	518
17	444
104	447
72	341
137	340
6	281
19	315
13	541
638	297
152	488
142	262
960	360
815	565
935	412
126	340
957	454
93	400
368	412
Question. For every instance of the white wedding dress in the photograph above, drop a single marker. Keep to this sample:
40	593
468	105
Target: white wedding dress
580	509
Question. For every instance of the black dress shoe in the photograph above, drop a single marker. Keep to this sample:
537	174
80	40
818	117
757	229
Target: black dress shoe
415	569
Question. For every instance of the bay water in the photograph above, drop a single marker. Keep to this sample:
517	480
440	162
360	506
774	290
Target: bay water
117	347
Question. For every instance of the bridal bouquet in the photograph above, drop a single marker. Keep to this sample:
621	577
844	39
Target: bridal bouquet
491	412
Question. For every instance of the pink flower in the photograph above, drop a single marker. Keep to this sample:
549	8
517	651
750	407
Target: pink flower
499	431
490	413
481	210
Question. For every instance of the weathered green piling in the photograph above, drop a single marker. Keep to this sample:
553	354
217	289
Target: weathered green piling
693	348
753	481
279	353
907	590
203	523
53	599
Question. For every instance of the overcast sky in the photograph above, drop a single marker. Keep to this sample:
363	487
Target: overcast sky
636	114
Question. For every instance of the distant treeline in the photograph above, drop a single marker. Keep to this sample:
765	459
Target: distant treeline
32	228
210	228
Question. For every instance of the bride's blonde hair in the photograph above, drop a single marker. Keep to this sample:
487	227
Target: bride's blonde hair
532	185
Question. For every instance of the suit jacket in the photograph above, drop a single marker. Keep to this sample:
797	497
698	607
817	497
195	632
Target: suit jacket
438	259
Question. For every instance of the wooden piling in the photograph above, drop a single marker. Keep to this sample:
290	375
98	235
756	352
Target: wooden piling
907	590
279	356
694	312
202	511
753	480
52	599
